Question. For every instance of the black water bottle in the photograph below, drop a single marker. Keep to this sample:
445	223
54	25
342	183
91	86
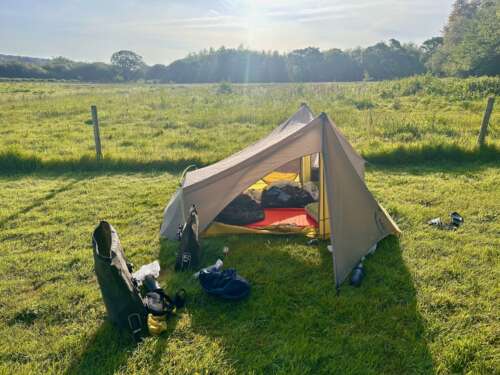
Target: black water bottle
358	273
151	284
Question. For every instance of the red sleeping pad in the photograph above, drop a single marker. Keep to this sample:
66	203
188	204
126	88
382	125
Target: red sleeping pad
285	216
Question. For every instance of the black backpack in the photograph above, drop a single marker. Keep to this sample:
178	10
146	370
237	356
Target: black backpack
189	253
119	291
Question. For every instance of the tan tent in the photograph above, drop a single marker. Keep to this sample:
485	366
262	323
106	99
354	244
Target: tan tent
348	211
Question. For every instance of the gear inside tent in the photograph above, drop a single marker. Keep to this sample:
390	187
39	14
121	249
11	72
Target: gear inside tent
304	177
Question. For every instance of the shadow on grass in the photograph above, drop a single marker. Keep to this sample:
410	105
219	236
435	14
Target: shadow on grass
38	202
13	163
105	352
438	154
109	349
294	322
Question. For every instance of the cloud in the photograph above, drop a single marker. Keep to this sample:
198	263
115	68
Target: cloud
212	21
315	11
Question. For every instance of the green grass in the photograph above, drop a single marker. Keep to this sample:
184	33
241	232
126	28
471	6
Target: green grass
429	303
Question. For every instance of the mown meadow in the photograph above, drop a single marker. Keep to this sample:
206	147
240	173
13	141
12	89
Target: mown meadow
429	303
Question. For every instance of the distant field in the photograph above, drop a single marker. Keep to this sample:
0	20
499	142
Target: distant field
429	303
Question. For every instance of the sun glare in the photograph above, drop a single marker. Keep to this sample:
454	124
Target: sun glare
252	19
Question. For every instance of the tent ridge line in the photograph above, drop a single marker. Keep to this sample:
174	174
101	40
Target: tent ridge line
262	155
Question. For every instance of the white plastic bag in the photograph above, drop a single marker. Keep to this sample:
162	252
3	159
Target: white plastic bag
152	269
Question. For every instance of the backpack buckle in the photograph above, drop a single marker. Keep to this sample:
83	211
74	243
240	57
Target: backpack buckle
137	327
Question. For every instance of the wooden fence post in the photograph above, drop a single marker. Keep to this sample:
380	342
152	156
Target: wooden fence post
486	120
97	136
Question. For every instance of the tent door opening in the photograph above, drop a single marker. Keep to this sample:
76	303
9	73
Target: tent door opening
254	210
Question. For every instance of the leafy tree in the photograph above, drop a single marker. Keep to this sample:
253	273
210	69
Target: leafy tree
341	66
431	55
395	60
182	71
93	72
60	68
478	50
471	40
306	65
17	69
430	46
277	68
157	73
129	64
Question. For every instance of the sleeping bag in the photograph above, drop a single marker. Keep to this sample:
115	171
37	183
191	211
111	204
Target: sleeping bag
285	195
241	211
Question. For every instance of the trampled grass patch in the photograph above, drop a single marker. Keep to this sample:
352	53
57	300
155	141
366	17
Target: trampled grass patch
429	303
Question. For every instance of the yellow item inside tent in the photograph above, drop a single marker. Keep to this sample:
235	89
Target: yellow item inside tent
259	185
279	176
274	177
324	216
305	169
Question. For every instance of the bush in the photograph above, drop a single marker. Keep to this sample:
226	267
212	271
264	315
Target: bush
453	88
224	88
363	104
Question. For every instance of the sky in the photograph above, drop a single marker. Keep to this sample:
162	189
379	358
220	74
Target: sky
165	30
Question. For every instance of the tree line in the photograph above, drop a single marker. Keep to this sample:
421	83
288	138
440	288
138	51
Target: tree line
470	45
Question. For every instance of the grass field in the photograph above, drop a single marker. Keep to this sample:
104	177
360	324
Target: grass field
430	301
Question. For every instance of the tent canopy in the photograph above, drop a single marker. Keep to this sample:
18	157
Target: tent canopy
356	220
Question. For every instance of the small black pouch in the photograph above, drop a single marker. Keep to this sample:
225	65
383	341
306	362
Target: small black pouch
189	253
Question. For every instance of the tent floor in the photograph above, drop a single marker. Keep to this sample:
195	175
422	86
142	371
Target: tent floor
285	216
